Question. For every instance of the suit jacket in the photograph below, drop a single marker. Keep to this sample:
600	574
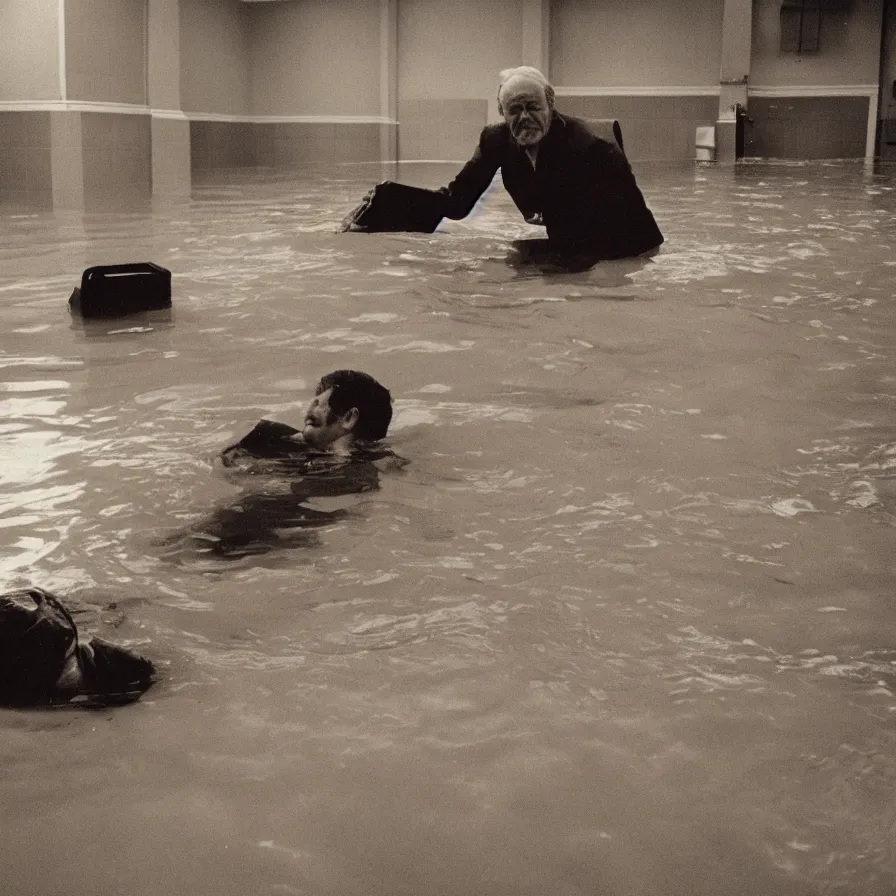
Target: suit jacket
582	186
264	519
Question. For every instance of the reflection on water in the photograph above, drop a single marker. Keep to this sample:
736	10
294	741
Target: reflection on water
276	509
622	626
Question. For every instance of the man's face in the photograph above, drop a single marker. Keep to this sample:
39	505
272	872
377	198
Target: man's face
323	426
526	110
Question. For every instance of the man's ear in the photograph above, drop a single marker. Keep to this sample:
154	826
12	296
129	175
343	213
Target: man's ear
350	419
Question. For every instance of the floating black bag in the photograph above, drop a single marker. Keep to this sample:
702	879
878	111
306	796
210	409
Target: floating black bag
392	207
120	289
42	662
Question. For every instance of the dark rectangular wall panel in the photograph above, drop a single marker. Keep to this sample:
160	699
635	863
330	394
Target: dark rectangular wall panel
807	127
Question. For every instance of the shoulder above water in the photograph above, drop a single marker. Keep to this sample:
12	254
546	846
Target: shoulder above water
267	439
281	448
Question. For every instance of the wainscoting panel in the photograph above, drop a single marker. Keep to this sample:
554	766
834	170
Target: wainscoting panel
807	127
654	128
25	149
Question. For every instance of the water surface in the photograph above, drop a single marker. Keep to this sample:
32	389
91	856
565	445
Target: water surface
623	626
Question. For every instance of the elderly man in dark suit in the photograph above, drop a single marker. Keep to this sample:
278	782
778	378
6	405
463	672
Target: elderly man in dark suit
557	171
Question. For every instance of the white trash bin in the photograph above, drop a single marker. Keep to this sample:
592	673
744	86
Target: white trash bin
706	143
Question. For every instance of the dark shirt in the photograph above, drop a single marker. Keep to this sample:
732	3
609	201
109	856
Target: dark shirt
581	185
278	449
279	516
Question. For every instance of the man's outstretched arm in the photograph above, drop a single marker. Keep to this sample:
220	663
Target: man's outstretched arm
473	179
397	207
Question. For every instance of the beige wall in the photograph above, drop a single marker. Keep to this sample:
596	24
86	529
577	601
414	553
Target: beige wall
163	54
105	50
621	43
849	51
29	50
316	57
214	56
454	50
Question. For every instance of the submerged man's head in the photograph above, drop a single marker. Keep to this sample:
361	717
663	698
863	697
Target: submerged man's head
526	100
348	406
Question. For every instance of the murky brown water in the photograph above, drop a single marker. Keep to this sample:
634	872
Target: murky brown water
624	626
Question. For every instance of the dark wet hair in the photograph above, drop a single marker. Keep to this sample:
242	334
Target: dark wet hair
353	389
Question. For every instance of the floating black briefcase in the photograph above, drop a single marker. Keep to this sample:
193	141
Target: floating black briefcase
391	207
119	289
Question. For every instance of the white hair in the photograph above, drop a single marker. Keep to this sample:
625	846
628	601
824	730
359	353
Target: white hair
526	71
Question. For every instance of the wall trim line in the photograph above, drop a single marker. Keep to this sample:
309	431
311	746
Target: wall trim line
810	90
179	115
72	106
707	90
170	114
291	119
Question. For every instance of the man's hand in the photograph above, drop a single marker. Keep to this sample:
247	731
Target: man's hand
350	222
535	218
